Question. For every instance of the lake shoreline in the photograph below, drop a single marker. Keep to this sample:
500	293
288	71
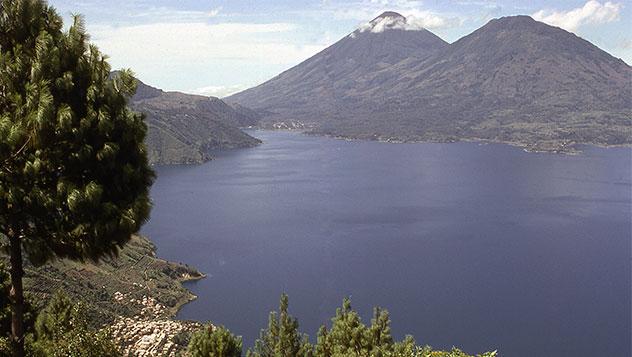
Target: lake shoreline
192	296
543	147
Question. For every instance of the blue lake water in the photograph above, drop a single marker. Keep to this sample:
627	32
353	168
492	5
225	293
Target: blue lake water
479	246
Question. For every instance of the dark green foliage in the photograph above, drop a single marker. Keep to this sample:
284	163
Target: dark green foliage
281	338
61	329
5	313
214	342
323	345
350	337
347	337
5	308
74	177
379	333
407	347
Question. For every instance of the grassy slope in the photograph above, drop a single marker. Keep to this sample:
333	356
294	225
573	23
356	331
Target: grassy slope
135	273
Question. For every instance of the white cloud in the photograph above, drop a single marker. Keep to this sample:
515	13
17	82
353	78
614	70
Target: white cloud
430	20
626	44
413	22
385	23
414	12
593	12
185	56
480	3
142	45
167	14
220	91
214	12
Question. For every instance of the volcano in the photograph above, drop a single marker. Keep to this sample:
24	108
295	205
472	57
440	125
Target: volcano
513	80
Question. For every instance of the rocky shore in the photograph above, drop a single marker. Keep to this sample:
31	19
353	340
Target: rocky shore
151	334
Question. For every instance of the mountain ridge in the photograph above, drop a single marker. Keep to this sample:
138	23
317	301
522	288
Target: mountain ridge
513	80
355	55
185	128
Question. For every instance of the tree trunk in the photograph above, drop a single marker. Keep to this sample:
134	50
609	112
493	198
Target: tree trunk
16	296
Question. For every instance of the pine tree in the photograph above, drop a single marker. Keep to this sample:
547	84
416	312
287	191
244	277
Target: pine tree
407	347
323	345
350	337
74	177
266	344
214	342
61	330
348	334
281	338
347	337
5	313
379	339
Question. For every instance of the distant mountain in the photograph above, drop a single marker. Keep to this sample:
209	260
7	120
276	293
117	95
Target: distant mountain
184	128
513	80
318	86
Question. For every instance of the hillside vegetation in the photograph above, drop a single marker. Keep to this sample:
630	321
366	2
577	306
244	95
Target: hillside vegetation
114	287
185	128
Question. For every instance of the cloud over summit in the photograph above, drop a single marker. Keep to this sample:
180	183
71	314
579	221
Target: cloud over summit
593	12
414	22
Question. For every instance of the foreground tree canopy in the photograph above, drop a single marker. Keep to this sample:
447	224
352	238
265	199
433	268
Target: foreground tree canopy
74	178
347	337
214	341
61	328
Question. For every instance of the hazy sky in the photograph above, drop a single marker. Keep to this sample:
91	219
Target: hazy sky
217	47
